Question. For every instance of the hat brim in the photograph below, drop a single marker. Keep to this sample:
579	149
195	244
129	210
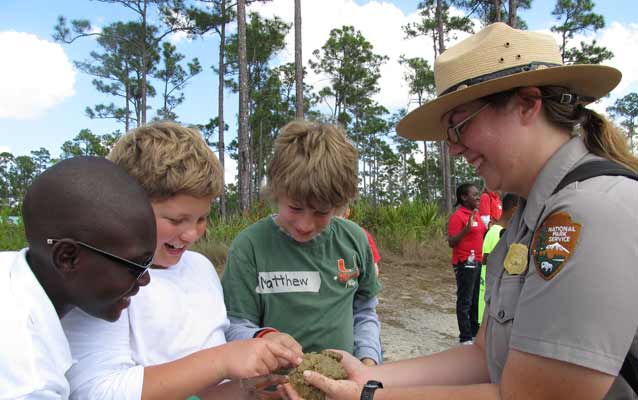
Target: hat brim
425	122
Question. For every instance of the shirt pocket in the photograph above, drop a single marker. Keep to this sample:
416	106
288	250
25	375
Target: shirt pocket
504	300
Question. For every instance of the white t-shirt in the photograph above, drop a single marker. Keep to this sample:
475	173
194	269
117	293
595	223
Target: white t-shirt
34	353
180	312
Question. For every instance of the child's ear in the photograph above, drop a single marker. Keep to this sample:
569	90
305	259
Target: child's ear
65	255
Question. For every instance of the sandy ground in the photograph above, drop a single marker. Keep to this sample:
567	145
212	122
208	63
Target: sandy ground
416	309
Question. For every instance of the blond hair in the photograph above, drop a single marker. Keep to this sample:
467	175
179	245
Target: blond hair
168	159
313	163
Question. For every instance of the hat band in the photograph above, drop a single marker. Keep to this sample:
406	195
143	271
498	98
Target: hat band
499	74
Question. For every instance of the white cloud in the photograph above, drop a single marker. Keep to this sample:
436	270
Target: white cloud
620	39
230	170
35	75
177	37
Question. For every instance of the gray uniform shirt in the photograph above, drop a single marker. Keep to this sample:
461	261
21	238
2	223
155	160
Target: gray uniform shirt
586	313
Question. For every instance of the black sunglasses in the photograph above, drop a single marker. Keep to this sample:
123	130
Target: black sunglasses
137	270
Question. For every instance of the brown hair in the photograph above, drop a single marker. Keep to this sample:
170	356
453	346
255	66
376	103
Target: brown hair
600	136
313	163
169	159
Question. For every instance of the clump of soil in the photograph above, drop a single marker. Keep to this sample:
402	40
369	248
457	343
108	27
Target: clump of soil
327	363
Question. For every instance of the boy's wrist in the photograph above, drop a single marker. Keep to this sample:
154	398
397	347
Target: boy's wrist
263	332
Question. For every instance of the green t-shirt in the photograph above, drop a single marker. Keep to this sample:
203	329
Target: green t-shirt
491	238
304	289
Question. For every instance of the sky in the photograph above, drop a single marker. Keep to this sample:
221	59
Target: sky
43	95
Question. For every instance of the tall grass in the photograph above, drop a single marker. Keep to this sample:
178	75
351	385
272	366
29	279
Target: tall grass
11	232
399	228
404	230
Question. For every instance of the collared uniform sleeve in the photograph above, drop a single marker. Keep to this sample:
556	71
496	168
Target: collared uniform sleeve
585	313
103	367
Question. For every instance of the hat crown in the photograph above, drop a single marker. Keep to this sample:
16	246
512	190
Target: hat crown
495	48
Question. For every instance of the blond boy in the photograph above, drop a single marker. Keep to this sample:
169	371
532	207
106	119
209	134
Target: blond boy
171	342
301	271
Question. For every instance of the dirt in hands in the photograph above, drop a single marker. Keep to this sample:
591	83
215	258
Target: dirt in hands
326	363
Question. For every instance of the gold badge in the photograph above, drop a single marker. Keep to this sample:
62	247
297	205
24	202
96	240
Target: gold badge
554	243
516	259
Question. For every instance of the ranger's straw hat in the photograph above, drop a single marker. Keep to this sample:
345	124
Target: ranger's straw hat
496	59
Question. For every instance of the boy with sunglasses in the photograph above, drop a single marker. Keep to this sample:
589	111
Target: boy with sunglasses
171	342
88	224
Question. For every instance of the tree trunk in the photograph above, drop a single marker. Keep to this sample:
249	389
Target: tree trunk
127	117
445	156
426	170
145	63
497	10
299	111
512	13
404	177
244	178
220	109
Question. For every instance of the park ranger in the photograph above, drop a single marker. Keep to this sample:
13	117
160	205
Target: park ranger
562	310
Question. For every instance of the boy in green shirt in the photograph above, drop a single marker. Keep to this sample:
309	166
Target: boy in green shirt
493	235
303	271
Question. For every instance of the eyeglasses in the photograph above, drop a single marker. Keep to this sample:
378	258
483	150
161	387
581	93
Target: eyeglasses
454	132
137	270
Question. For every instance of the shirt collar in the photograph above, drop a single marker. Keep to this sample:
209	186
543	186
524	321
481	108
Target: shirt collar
43	318
559	164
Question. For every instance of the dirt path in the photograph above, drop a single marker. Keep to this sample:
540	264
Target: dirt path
416	308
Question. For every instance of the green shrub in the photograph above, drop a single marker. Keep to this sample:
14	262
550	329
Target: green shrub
407	229
395	227
11	232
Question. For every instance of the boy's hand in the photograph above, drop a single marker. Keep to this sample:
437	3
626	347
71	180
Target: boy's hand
349	389
254	357
285	340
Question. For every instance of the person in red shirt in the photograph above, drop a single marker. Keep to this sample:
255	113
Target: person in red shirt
490	208
465	237
344	212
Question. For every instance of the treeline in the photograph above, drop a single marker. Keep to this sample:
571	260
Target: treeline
135	66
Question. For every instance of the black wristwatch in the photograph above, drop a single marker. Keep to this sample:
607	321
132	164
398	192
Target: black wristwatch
368	389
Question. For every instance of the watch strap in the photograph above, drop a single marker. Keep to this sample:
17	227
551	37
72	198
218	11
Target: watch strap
369	388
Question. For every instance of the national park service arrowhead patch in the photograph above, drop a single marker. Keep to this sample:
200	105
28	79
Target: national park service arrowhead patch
554	242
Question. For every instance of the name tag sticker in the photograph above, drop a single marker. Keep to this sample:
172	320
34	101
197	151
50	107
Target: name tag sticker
288	282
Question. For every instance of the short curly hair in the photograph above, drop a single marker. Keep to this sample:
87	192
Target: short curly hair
314	163
169	159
